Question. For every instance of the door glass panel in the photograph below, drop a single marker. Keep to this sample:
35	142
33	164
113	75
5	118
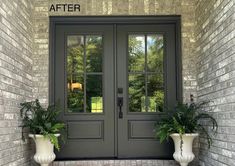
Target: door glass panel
155	53
75	93
137	93
75	52
136	49
94	101
146	84
84	73
155	93
94	52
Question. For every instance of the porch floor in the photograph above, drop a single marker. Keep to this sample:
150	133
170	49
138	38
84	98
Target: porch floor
116	163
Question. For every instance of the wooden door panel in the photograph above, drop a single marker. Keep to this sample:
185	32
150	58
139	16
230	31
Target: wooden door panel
141	129
85	129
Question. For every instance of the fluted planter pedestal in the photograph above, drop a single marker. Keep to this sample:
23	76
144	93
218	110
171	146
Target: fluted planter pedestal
44	149
183	155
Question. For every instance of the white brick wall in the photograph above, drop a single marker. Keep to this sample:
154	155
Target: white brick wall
215	49
24	55
15	77
209	39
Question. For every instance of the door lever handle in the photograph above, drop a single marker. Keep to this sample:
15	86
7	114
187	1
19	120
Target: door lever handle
120	104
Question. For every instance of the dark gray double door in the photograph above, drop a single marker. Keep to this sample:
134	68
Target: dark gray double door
113	82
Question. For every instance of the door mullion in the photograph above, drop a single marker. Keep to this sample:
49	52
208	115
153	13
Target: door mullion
145	72
84	68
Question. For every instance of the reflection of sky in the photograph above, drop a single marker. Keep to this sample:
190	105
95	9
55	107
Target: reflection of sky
75	40
151	39
141	39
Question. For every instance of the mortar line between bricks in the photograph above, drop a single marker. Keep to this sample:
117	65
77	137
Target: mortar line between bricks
220	45
214	15
21	70
16	49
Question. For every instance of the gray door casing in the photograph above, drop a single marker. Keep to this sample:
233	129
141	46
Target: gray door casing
114	139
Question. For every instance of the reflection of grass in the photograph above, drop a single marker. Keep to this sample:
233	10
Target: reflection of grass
151	104
154	103
96	104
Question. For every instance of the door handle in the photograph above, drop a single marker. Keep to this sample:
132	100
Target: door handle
120	104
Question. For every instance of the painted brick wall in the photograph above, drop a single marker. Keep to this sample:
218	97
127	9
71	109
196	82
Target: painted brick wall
24	63
215	50
15	77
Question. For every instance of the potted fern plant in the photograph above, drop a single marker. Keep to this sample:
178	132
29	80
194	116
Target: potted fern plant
183	125
44	128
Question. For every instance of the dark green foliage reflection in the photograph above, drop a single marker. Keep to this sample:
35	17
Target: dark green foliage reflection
94	52
137	93
84	77
145	64
94	101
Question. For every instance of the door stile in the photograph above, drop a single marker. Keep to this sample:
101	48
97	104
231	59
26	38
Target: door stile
115	90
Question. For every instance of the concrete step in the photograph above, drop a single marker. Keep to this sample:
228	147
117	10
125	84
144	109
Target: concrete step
116	163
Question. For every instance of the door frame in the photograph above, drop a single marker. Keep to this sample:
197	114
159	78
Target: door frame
114	20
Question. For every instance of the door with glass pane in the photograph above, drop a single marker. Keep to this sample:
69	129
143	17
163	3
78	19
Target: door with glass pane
84	85
146	79
113	82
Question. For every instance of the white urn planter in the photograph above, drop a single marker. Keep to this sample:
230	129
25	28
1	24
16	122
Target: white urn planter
183	155
44	149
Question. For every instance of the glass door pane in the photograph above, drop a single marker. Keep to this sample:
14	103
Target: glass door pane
145	72
84	73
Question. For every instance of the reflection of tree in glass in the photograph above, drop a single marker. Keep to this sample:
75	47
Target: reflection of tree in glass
155	93
159	100
136	50
136	93
155	53
75	54
94	52
75	101
155	83
93	89
75	71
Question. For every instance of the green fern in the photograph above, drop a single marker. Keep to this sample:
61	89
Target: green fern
185	118
42	121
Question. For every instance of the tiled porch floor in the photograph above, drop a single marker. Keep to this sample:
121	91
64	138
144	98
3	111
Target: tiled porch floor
116	163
